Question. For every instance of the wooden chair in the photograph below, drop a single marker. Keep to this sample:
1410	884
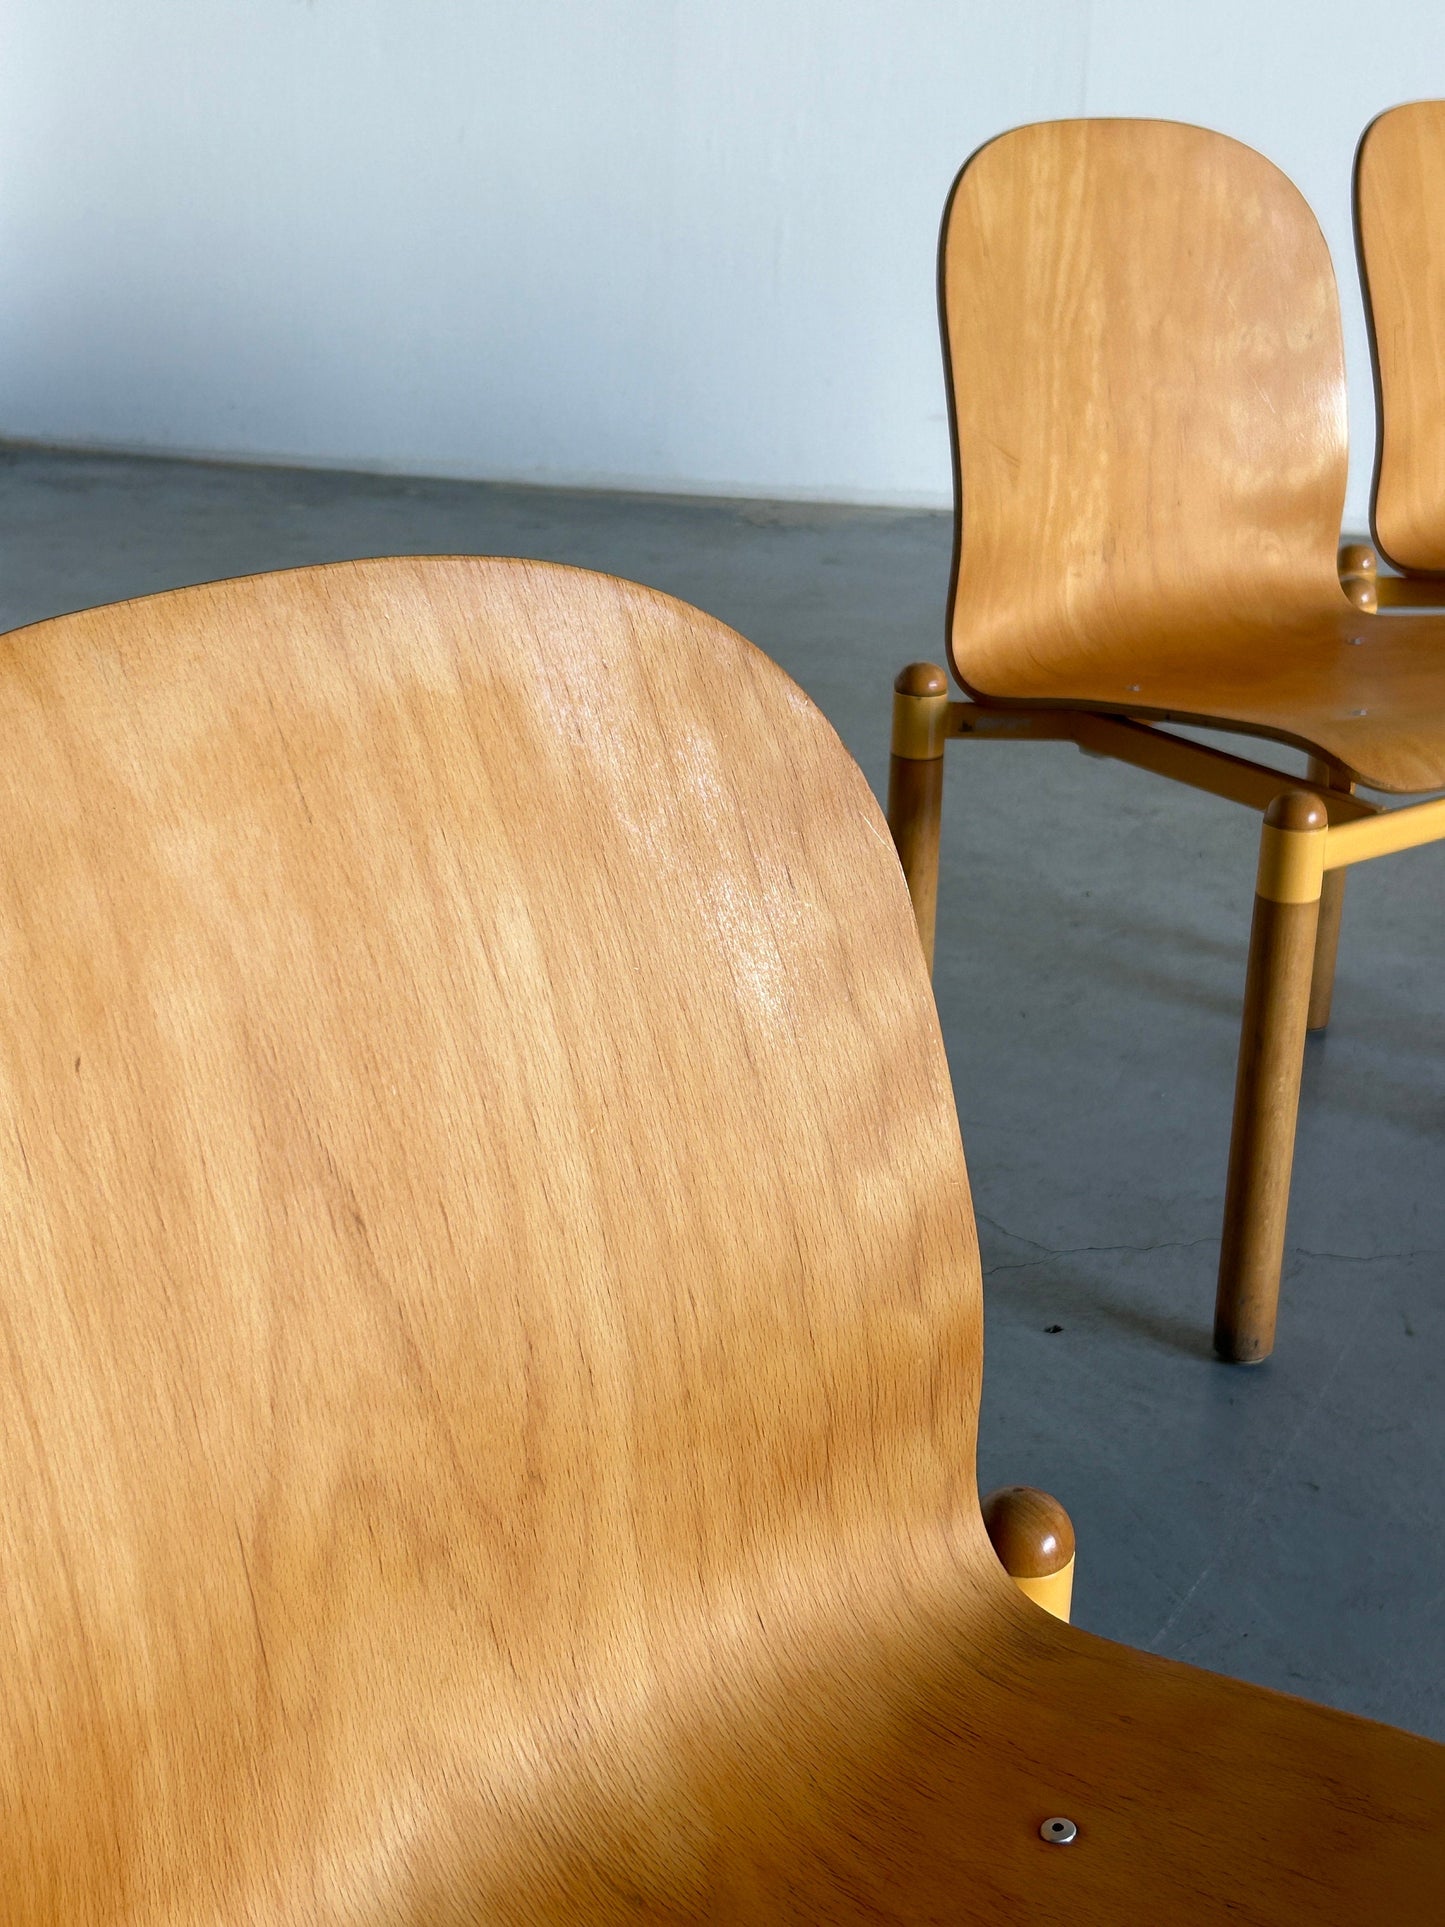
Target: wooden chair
1146	384
1400	240
491	1321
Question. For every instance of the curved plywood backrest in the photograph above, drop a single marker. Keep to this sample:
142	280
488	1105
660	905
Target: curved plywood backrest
1147	387
485	1237
1400	233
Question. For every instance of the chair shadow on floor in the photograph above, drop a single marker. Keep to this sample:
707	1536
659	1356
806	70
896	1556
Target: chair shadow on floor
1053	1289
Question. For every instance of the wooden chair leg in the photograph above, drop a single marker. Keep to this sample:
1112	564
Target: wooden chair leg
1327	939
915	786
1332	903
1266	1092
1034	1539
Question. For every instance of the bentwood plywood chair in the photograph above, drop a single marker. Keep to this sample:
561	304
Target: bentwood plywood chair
491	1321
1147	389
1400	239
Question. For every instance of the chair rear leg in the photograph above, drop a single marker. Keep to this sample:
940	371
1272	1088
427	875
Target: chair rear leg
1266	1092
915	787
1327	938
1323	775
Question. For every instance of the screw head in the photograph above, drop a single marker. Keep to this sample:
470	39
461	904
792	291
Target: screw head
1058	1831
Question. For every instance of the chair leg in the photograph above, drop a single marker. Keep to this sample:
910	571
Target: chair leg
1332	903
1266	1092
915	787
1327	938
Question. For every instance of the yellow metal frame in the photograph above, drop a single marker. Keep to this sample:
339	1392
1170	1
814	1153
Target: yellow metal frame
1357	830
1054	1591
1384	833
920	726
1125	740
1291	864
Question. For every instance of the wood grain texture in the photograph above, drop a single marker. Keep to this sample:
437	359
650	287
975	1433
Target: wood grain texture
915	822
1400	239
1147	390
491	1320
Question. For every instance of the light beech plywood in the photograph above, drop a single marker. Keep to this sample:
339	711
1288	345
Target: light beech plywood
1400	231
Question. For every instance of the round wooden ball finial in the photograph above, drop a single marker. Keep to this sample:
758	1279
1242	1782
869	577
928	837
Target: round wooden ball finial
1297	810
921	679
1034	1539
1359	576
1030	1531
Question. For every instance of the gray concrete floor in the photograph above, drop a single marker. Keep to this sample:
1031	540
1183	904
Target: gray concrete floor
1284	1524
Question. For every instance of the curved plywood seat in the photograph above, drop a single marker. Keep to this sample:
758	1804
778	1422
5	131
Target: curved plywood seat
491	1320
1400	229
1147	383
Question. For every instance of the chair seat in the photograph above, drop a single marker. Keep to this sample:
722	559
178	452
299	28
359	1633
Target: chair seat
1196	1798
1367	692
877	1743
869	1739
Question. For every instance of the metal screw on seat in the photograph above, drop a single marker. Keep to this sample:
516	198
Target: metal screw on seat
1059	1832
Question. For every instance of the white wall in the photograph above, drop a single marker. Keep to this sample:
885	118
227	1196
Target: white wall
667	243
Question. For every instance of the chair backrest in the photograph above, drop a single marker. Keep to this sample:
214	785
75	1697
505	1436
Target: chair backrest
1146	380
485	1242
1400	236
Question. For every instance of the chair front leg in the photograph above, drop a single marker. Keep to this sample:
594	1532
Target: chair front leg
915	787
1271	1059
